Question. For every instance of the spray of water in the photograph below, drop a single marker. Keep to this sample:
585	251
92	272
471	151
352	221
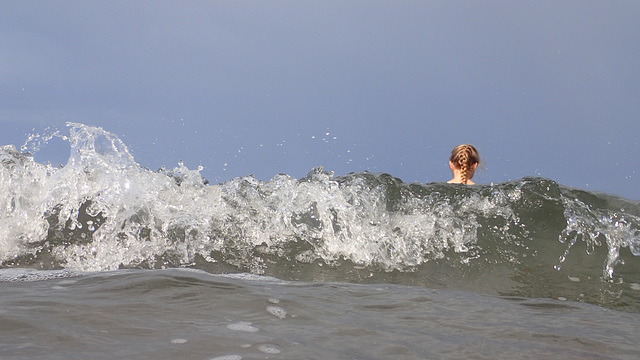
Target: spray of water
103	211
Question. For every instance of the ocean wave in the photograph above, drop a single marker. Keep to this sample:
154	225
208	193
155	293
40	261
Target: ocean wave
103	211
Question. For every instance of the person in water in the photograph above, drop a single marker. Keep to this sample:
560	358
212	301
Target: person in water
463	162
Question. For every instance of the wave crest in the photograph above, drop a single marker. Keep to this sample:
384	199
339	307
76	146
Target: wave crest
102	211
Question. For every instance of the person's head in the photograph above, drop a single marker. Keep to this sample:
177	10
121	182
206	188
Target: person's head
465	159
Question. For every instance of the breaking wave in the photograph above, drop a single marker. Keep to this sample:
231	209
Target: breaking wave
103	211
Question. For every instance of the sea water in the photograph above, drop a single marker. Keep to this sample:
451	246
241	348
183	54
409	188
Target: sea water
103	258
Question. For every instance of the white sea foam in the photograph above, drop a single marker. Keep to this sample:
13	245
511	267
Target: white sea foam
227	357
29	275
243	326
277	311
269	349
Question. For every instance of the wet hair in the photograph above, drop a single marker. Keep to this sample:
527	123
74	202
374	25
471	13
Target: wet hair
463	157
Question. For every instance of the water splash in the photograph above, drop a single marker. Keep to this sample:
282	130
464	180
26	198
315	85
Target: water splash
595	226
103	211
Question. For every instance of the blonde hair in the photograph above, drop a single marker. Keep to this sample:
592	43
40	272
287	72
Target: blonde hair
463	157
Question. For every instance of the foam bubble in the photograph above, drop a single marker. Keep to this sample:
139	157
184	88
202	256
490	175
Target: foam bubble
227	357
277	311
243	326
28	275
269	349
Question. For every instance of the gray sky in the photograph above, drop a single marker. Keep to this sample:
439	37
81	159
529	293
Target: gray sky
542	88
